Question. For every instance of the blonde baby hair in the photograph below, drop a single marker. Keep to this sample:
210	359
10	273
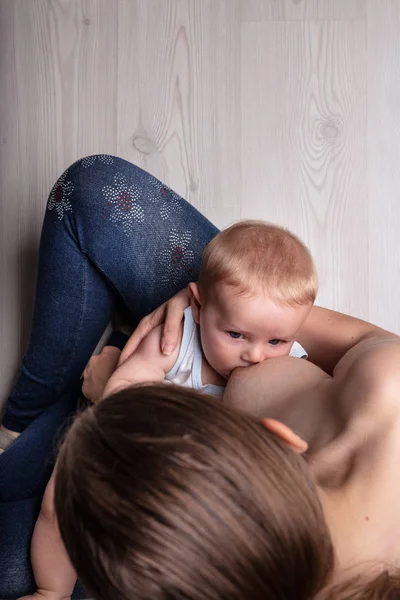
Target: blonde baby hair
256	256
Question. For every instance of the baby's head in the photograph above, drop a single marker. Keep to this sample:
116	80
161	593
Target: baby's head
256	287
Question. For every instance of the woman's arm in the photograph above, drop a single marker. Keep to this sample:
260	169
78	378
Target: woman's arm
327	336
54	574
146	365
170	314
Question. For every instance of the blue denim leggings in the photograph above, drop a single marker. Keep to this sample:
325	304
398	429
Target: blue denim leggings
113	237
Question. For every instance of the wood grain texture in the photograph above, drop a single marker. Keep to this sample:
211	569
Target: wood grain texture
20	180
303	145
384	162
178	113
302	10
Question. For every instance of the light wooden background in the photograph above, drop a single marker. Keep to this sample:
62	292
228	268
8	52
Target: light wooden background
287	110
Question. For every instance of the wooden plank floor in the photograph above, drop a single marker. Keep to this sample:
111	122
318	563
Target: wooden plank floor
286	110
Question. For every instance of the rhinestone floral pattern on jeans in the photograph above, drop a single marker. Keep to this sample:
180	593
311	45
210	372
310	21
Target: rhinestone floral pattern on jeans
123	199
169	202
89	160
177	261
59	196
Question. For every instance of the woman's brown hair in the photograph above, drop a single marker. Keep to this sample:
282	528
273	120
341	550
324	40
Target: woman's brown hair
162	493
384	586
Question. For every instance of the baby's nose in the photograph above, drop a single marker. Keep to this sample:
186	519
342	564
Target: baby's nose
255	355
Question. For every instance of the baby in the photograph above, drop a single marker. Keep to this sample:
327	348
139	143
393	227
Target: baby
256	287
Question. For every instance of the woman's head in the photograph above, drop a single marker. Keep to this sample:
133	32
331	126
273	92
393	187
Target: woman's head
163	493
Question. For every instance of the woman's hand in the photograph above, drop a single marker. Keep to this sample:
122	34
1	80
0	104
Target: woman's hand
45	595
171	313
98	372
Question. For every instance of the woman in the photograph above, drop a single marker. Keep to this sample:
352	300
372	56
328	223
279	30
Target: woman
113	237
185	498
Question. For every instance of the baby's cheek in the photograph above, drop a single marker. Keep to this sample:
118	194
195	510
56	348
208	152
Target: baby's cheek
286	349
278	351
218	351
212	349
226	352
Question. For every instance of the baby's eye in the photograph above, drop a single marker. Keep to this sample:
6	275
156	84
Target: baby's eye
274	342
235	335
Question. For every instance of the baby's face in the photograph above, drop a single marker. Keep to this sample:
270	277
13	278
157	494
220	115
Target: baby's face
239	331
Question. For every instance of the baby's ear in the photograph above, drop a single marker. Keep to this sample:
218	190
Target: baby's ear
195	301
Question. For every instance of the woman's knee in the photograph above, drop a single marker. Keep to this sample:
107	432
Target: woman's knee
100	181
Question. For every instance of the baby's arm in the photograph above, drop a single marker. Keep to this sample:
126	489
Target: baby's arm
146	365
54	574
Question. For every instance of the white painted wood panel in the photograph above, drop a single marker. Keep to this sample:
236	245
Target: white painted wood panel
303	145
302	10
384	162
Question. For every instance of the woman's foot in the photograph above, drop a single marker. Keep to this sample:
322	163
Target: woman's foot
7	437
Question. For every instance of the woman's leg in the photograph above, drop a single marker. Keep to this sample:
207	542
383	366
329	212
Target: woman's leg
111	232
24	471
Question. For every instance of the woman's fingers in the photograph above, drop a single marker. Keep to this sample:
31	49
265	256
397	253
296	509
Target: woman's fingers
172	313
173	318
98	371
144	327
169	338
